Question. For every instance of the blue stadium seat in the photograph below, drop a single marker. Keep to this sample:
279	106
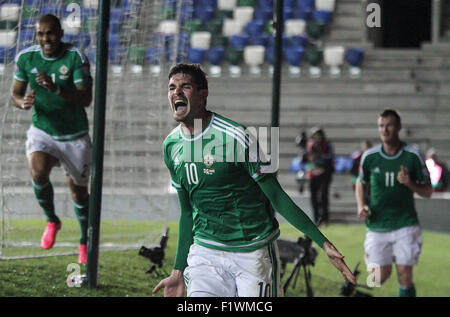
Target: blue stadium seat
298	40
29	23
6	54
153	55
265	4
49	9
187	13
287	13
303	14
269	55
204	14
254	28
284	41
322	16
215	55
261	39
354	56
196	55
307	5
239	41
263	14
205	3
294	55
82	40
116	14
289	4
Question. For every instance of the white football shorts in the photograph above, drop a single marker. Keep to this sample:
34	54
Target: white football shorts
402	246
214	273
74	156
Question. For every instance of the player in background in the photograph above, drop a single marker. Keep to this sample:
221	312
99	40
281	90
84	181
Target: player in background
393	171
227	230
61	87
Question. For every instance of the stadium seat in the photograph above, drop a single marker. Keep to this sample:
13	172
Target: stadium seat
232	27
314	57
243	14
213	26
302	14
297	40
294	56
93	4
7	38
269	59
246	3
187	13
49	9
215	56
333	57
254	28
315	30
354	57
201	40
322	16
6	56
325	5
234	58
287	13
204	14
9	12
263	14
196	55
238	41
254	58
136	57
265	4
307	5
193	25
168	27
219	40
226	4
294	27
153	56
289	4
261	39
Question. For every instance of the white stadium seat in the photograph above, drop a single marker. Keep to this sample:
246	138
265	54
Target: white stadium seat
254	58
168	27
232	27
333	57
201	40
294	27
7	38
325	5
92	4
243	14
226	4
9	12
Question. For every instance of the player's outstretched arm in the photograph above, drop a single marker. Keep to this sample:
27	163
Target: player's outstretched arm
337	259
292	213
173	285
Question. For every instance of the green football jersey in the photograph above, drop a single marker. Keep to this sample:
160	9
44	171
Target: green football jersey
219	170
51	113
391	204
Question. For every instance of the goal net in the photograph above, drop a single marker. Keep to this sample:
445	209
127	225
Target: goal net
145	39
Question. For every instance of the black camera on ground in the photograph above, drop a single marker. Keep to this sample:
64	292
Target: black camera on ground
156	254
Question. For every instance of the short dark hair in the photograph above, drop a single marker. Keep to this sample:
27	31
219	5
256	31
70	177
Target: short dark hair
391	112
50	18
194	70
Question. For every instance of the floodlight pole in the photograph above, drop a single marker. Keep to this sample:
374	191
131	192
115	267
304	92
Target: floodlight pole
277	62
95	198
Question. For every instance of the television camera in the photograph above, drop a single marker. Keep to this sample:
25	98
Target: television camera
303	255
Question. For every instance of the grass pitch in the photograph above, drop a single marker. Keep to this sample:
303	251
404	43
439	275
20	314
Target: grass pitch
122	274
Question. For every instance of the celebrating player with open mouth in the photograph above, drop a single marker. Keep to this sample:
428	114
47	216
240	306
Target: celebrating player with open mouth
227	228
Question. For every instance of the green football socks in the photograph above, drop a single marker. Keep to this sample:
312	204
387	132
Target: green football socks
82	215
44	195
406	291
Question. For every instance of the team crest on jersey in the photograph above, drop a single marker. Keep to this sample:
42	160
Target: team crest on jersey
208	160
63	69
